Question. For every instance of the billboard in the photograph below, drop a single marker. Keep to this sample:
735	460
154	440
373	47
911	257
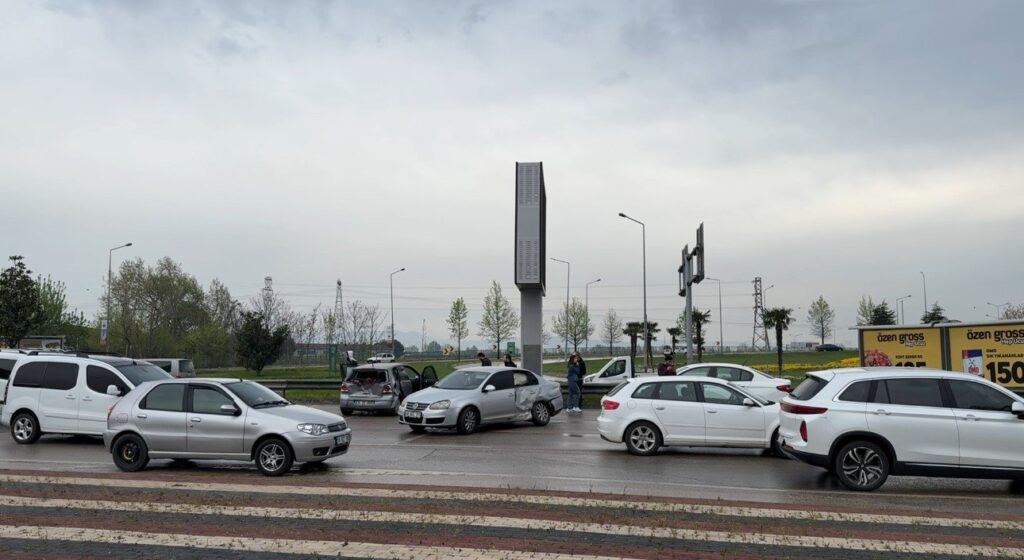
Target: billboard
995	352
531	208
901	347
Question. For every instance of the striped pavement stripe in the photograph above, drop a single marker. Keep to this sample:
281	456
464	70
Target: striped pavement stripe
474	496
724	537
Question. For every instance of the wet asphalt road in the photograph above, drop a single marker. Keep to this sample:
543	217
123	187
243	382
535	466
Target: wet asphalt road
566	455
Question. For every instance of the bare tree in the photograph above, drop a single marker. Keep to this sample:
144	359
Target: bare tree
611	330
353	326
1013	312
310	330
573	323
499	320
821	318
457	325
375	326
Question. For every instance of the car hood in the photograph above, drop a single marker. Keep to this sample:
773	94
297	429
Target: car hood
433	395
301	414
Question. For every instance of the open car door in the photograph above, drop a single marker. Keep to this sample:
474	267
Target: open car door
428	377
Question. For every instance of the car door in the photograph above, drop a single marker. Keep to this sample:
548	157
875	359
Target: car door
160	416
616	371
527	390
990	434
58	397
499	404
729	422
212	431
911	414
408	379
680	413
428	377
93	398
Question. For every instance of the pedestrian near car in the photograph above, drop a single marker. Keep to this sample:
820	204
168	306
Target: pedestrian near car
509	362
572	379
484	360
667	367
583	373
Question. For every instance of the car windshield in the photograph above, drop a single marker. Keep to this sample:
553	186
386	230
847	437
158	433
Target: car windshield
256	395
464	380
140	373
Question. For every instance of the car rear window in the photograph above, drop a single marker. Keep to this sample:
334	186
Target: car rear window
617	388
369	376
858	392
808	388
5	368
139	373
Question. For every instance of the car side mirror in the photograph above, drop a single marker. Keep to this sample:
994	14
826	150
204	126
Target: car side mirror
489	388
230	409
1018	408
113	391
747	401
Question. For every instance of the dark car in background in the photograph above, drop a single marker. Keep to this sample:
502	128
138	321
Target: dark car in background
828	348
382	387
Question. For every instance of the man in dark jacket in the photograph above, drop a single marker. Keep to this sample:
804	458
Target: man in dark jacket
484	360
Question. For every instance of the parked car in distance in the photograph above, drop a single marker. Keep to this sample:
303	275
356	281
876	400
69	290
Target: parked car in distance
747	378
469	398
177	367
220	419
616	371
58	393
649	413
382	387
381	358
865	424
828	348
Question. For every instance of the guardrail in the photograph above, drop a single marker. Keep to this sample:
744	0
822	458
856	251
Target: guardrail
282	386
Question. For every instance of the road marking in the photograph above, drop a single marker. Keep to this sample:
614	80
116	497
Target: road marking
728	511
284	546
873	545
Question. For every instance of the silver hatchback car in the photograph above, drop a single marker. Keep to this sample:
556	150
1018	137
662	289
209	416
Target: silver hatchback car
221	419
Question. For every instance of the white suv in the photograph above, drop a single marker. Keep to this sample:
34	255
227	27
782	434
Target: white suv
866	424
68	393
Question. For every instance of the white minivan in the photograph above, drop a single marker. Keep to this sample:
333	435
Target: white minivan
8	358
51	393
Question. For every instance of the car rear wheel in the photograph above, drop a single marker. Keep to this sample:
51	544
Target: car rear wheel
25	428
861	465
469	420
643	438
274	457
540	414
130	453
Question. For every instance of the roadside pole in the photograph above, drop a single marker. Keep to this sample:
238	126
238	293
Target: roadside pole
687	278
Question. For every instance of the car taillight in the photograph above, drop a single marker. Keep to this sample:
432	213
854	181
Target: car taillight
803	431
386	390
783	388
344	387
801	408
609	405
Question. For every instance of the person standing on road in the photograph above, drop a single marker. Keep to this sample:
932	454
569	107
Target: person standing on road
572	379
484	360
583	373
509	362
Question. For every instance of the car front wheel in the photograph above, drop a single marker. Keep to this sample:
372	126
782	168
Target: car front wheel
643	438
861	465
469	420
274	457
130	453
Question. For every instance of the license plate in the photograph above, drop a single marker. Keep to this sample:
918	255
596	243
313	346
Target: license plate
414	415
341	440
364	403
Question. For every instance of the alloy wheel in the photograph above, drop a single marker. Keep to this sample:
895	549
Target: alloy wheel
272	456
862	466
643	438
540	412
23	428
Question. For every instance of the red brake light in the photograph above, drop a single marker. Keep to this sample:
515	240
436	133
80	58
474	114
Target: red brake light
783	388
386	390
803	431
609	405
801	408
344	387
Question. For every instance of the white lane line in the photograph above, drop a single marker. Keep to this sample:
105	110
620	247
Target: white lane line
873	545
728	511
285	546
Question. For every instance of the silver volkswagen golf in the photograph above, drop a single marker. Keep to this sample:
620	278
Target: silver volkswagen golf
468	398
222	419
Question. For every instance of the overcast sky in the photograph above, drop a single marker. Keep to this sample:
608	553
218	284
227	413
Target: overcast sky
833	148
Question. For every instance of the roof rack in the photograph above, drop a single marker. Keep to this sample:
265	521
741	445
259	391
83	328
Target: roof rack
74	353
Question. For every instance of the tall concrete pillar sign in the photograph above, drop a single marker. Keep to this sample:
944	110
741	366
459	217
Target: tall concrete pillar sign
531	259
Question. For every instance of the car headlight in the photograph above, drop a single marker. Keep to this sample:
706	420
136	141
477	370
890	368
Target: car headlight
313	429
441	405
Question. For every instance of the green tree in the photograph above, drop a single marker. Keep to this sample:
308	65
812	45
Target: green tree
1013	312
882	315
19	303
573	323
700	318
458	327
778	318
634	329
821	318
865	311
258	346
935	315
652	329
57	318
675	333
499	321
611	328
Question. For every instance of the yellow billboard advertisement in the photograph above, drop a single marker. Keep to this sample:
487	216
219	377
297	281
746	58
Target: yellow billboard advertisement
910	347
995	352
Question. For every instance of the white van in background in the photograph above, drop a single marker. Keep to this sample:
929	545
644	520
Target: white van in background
177	367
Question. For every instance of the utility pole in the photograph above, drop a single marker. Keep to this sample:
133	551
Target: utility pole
721	331
565	317
106	327
268	300
586	306
392	282
687	278
423	337
760	332
647	325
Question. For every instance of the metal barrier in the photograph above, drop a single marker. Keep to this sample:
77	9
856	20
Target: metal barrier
282	386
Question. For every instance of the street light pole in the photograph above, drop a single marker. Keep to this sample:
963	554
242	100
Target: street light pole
647	334
924	284
392	281
565	325
899	308
721	336
586	306
110	266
